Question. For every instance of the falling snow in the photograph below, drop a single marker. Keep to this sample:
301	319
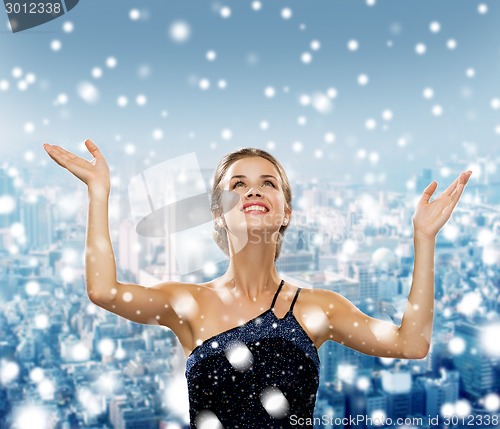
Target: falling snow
363	79
286	13
88	92
225	12
68	27
353	45
274	402
180	31
420	49
56	45
314	125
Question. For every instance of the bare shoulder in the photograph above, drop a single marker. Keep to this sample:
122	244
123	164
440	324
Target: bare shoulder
173	287
323	298
183	291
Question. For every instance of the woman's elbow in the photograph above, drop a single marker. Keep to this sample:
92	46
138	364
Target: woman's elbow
419	353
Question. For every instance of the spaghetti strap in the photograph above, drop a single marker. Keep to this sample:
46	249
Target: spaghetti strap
277	293
294	299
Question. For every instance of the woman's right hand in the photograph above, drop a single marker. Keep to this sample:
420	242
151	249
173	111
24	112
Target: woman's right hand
94	173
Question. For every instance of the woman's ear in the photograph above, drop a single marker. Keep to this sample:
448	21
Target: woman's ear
288	216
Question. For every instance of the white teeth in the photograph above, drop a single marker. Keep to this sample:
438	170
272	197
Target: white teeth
259	208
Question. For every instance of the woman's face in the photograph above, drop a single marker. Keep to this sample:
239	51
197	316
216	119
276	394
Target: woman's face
253	201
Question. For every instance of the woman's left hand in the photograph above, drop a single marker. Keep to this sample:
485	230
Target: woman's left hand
429	217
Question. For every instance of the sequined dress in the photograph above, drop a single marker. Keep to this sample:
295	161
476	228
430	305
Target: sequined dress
263	374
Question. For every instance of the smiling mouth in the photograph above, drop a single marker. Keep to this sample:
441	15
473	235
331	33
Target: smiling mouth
255	208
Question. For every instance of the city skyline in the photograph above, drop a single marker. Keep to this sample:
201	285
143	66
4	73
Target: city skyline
108	368
364	102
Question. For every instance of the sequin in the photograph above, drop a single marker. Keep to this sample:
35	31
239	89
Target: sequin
281	357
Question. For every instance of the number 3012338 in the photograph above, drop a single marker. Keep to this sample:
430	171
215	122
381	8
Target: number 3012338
33	7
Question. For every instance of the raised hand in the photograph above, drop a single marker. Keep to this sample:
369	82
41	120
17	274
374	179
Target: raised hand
94	173
429	217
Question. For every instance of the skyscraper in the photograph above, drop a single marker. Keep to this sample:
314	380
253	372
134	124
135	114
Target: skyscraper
477	369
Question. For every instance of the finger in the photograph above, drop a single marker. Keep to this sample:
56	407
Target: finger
93	149
455	197
457	191
68	160
55	153
61	156
52	155
462	178
428	192
447	192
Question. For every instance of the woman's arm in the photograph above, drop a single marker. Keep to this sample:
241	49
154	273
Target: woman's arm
351	327
416	326
346	324
146	305
100	265
140	304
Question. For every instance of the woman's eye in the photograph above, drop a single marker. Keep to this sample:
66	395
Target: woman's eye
240	183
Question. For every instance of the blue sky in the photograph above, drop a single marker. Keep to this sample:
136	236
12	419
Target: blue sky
385	128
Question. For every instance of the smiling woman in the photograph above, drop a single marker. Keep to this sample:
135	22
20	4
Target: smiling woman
227	178
251	338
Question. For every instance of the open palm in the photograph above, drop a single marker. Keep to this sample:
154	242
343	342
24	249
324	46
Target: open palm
94	173
429	217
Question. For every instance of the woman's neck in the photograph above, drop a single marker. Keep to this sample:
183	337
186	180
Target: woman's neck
252	272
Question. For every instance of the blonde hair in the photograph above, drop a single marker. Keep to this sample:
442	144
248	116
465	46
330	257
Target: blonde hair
220	234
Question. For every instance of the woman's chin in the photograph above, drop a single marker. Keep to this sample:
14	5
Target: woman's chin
253	225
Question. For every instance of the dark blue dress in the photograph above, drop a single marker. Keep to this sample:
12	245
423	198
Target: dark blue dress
263	374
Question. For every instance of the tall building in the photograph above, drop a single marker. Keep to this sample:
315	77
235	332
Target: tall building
375	407
331	404
363	397
388	286
397	386
328	358
341	283
364	275
417	399
10	200
359	272
37	218
133	411
398	405
440	391
295	261
477	370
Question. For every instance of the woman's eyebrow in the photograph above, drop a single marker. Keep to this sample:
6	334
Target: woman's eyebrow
262	176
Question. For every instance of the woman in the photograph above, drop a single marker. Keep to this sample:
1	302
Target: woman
251	339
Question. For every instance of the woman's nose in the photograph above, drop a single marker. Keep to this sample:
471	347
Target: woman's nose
251	192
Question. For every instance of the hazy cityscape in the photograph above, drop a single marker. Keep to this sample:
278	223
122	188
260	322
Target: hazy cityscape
66	363
364	102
